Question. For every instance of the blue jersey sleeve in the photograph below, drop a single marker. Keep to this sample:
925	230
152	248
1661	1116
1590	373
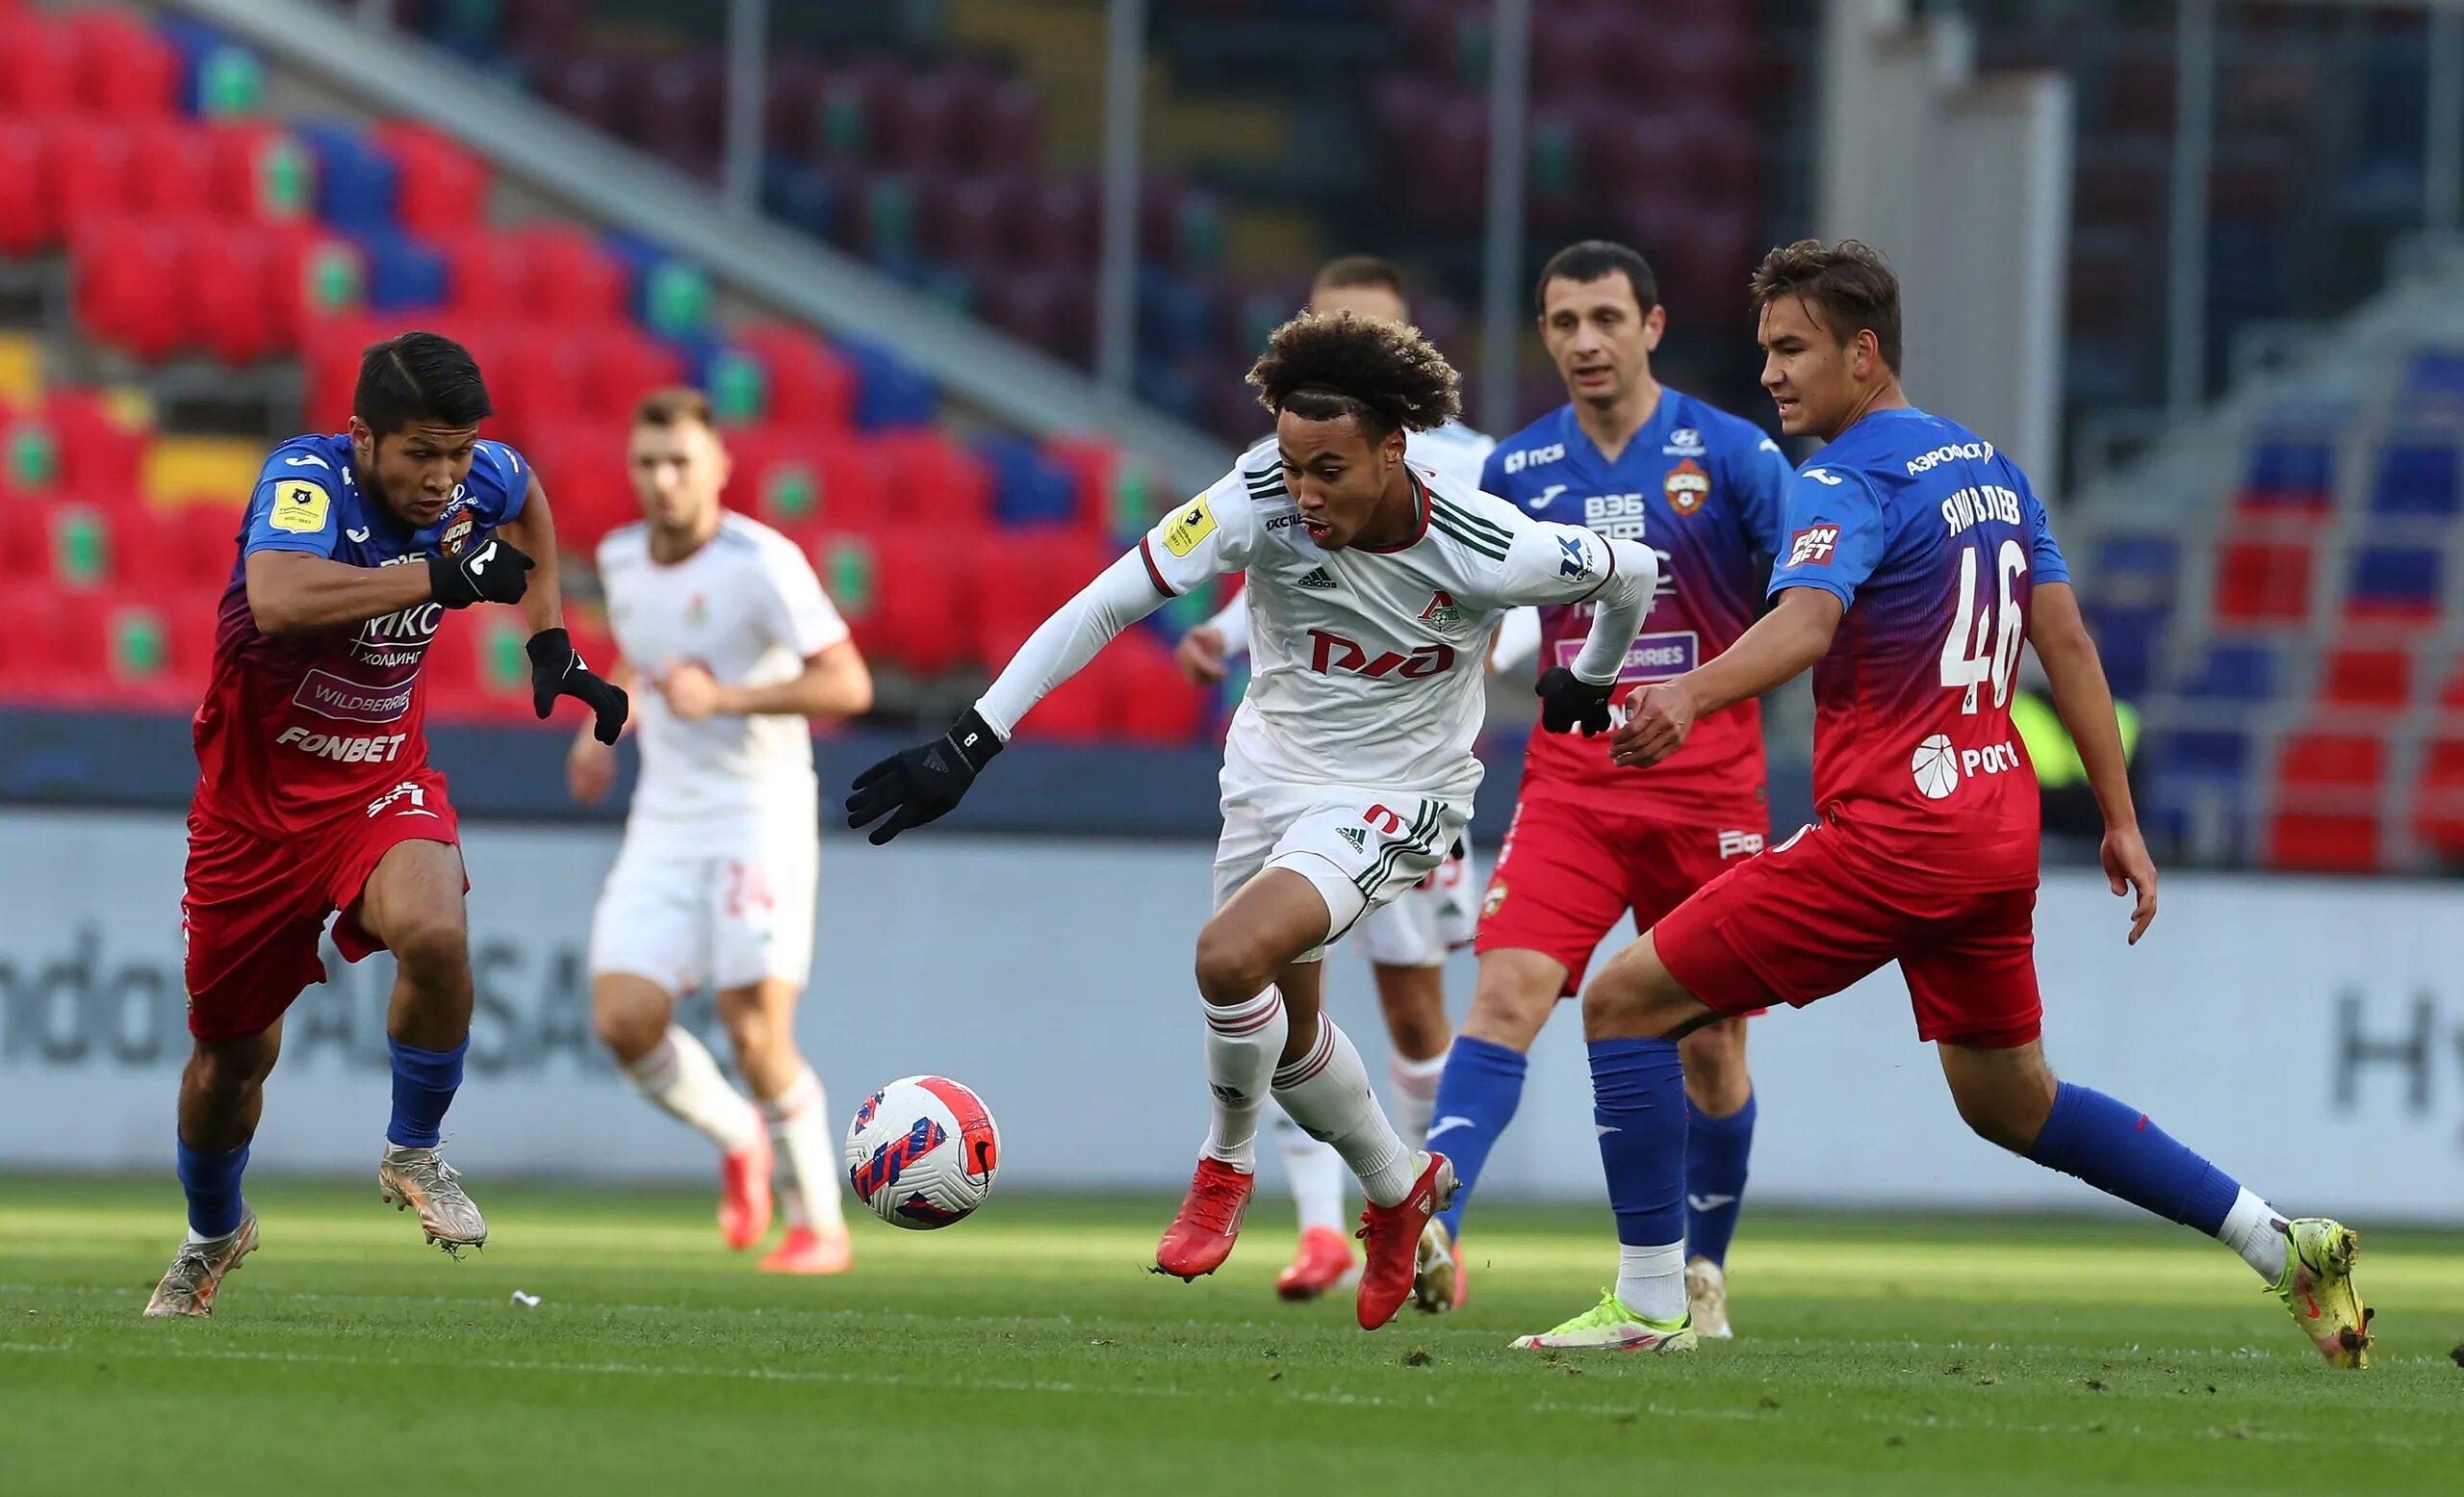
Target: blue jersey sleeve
2044	556
296	506
1493	472
1834	534
499	484
1759	478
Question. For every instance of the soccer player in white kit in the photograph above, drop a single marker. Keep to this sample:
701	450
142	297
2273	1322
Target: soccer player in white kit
1348	773
1407	941
715	884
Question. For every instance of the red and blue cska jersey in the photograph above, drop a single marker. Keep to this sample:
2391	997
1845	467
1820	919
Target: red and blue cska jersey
1701	487
298	729
1934	542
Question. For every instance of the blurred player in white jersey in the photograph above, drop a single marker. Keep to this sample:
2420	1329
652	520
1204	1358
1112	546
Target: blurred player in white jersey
1407	941
1373	588
723	618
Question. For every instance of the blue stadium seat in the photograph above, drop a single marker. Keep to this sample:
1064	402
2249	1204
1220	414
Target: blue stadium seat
800	194
2418	479
1028	488
2394	582
2435	373
2136	569
2288	468
889	392
2128	639
403	272
356	181
2232	672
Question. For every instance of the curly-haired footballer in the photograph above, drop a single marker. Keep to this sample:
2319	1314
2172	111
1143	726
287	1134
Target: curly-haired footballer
1348	773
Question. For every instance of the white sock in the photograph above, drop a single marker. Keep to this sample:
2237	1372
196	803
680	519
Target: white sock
2255	1230
681	1077
1651	1281
1317	1174
1412	1087
1241	1043
800	1130
1326	1092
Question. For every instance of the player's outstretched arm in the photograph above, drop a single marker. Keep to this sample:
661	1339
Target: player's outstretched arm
1781	645
2085	702
556	668
1617	578
291	591
925	783
834	683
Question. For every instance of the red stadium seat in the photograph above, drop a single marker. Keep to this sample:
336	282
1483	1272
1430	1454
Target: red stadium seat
236	308
924	617
42	647
2438	798
568	280
580	465
2323	842
2259	582
2367	676
931	480
486	273
38	66
173	169
444	189
1154	705
2328	759
129	286
28	222
811	386
619	364
796	478
124	70
88	176
99	452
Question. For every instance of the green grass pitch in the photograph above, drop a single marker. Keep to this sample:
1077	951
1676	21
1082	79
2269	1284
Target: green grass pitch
1026	1351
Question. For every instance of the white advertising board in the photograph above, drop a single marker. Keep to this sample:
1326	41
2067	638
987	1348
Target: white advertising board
2308	1035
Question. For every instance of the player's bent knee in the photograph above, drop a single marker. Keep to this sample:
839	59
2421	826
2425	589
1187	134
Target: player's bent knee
236	1066
1233	966
431	946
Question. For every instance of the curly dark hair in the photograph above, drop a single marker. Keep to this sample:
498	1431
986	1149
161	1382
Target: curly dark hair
1324	366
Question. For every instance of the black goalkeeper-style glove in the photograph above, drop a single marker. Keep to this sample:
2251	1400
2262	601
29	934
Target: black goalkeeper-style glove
556	671
1568	701
922	783
488	570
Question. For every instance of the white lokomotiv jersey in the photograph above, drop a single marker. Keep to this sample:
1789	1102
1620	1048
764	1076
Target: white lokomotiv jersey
748	609
1367	661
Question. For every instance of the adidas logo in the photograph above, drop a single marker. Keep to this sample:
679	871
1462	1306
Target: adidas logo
1317	580
1353	835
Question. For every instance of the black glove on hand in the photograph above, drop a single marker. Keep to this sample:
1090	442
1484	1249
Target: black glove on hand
556	671
922	783
488	570
1567	700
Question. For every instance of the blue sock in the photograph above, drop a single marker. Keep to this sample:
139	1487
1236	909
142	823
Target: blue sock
1716	1149
425	1082
1638	1101
212	1184
2115	1148
1477	1095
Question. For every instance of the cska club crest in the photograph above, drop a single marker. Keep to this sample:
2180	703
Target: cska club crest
1688	486
455	539
1441	610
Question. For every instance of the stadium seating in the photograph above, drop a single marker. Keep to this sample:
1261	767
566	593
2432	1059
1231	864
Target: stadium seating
193	225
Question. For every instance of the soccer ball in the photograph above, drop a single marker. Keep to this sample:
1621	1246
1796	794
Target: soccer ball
921	1153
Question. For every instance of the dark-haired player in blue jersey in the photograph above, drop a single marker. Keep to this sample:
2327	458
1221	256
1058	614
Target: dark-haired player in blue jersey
1918	564
313	791
1635	460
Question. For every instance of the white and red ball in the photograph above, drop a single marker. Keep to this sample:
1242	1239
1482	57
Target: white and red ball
923	1153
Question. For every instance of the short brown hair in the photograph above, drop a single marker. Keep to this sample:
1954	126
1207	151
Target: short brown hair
1849	281
1360	271
674	406
1324	366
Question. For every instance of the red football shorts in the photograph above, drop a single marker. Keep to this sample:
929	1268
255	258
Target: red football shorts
253	906
1566	874
1826	906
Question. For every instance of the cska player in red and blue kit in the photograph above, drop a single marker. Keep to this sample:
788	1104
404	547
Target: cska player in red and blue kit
313	790
1592	841
1918	565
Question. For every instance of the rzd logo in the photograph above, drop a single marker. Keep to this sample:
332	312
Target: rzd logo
1330	653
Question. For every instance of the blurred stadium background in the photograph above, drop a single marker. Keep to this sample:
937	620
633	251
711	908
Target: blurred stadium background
973	283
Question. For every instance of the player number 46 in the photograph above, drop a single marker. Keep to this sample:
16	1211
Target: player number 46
1984	646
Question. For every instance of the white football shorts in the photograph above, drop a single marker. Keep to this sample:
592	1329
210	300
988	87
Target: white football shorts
1429	919
1361	848
689	911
